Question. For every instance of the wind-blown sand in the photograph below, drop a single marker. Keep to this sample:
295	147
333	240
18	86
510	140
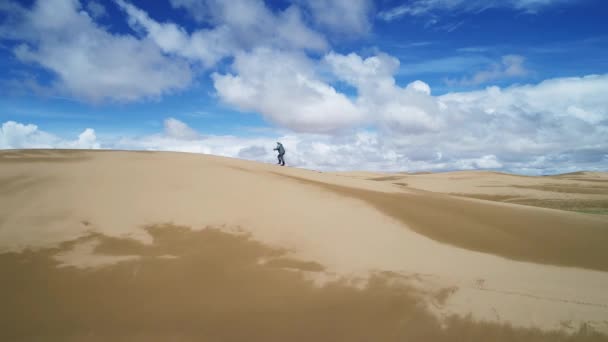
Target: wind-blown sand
170	246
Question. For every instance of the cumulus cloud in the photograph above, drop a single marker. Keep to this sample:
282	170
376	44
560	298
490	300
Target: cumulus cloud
236	26
522	125
206	46
510	66
290	92
87	139
17	135
14	135
426	7
572	98
179	130
409	109
87	61
285	88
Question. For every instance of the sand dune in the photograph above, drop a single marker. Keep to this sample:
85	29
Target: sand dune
156	246
580	191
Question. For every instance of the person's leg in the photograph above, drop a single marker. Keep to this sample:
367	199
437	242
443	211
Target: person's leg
282	159
279	157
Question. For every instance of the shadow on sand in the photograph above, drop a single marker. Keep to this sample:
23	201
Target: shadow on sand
208	285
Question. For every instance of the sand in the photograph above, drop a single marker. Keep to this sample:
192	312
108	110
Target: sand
580	191
102	245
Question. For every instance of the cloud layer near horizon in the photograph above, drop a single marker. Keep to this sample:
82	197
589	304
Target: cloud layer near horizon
488	129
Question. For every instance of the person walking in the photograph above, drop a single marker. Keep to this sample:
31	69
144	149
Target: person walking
281	151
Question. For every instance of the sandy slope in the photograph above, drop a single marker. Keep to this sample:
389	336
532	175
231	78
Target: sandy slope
70	212
580	191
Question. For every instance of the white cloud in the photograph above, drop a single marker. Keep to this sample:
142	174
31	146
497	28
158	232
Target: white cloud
291	93
248	17
207	46
14	135
96	9
236	26
87	139
510	66
285	88
325	152
198	9
17	135
405	110
426	7
521	124
89	62
344	17
227	146
420	86
396	12
179	130
483	162
522	133
573	98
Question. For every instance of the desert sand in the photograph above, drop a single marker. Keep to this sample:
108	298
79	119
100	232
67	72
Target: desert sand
151	246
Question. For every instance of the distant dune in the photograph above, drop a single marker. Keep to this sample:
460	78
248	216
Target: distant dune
151	246
585	192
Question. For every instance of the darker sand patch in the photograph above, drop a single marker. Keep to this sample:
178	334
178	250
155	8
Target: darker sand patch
589	206
589	180
56	155
310	266
495	198
38	156
567	188
517	233
599	207
442	296
568	174
215	290
386	178
15	184
238	168
580	176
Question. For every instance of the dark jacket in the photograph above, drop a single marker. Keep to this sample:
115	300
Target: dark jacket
280	148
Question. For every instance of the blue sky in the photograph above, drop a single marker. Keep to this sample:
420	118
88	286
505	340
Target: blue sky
512	85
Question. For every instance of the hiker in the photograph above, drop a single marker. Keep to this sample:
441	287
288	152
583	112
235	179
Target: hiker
281	150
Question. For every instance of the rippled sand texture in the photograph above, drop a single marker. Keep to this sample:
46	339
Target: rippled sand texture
135	246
